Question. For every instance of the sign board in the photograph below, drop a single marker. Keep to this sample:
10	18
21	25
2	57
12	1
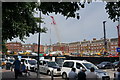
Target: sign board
118	49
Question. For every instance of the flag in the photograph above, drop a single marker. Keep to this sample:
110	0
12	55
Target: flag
53	20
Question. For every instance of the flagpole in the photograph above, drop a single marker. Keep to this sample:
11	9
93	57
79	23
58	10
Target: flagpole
119	36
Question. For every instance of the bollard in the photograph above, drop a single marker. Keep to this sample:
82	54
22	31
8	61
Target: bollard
52	75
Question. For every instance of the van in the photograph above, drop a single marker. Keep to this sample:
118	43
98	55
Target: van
29	63
47	66
77	64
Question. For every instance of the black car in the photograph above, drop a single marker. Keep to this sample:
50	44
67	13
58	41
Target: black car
105	65
116	63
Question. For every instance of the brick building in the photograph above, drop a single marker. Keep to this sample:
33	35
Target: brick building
114	44
41	48
74	47
60	47
14	46
26	47
85	46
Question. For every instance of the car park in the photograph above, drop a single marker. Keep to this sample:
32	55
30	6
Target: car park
48	66
69	64
105	65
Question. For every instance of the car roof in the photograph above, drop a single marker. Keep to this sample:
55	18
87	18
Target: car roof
47	60
28	58
79	61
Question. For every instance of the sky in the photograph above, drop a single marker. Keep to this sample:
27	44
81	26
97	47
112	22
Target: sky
89	26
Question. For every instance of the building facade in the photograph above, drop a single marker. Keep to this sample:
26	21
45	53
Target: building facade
14	46
85	46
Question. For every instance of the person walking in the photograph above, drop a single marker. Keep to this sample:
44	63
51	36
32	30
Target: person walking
17	64
82	75
25	70
118	65
91	75
72	74
117	74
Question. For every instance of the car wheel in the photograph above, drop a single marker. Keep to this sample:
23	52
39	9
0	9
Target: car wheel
49	73
64	75
36	70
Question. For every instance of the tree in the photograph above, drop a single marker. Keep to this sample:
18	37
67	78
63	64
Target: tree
113	9
4	48
18	19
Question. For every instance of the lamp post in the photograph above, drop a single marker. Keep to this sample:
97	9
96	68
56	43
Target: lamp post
105	42
38	75
118	29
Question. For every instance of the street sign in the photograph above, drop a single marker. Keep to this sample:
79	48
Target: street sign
118	49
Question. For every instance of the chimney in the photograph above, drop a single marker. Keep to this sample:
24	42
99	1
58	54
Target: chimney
84	40
94	39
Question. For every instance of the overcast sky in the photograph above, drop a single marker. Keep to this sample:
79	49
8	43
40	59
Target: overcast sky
89	26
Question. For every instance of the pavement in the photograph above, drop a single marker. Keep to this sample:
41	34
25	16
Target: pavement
9	75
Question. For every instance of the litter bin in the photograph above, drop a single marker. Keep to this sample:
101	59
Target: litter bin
8	66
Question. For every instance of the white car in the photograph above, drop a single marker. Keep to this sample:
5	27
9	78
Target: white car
69	64
29	63
47	66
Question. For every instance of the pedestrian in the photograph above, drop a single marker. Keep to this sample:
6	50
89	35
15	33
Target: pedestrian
17	64
24	69
72	74
91	75
117	74
118	65
81	74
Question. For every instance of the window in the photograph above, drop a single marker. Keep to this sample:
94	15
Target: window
68	64
41	62
78	65
26	61
44	62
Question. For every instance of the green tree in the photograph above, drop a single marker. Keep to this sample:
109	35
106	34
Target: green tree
4	48
18	19
113	9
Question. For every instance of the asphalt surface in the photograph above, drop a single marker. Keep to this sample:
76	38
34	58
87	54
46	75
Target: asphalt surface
9	75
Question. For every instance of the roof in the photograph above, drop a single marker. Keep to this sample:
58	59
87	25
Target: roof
82	61
28	58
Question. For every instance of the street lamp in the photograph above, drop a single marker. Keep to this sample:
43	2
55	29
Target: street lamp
38	75
105	42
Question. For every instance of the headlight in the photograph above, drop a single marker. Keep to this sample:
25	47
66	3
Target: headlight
103	65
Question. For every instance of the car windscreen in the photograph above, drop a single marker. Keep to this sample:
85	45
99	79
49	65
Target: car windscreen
51	64
115	63
32	62
89	65
104	63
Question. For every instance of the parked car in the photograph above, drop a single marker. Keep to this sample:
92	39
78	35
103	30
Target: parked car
105	65
69	64
47	66
29	63
115	63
